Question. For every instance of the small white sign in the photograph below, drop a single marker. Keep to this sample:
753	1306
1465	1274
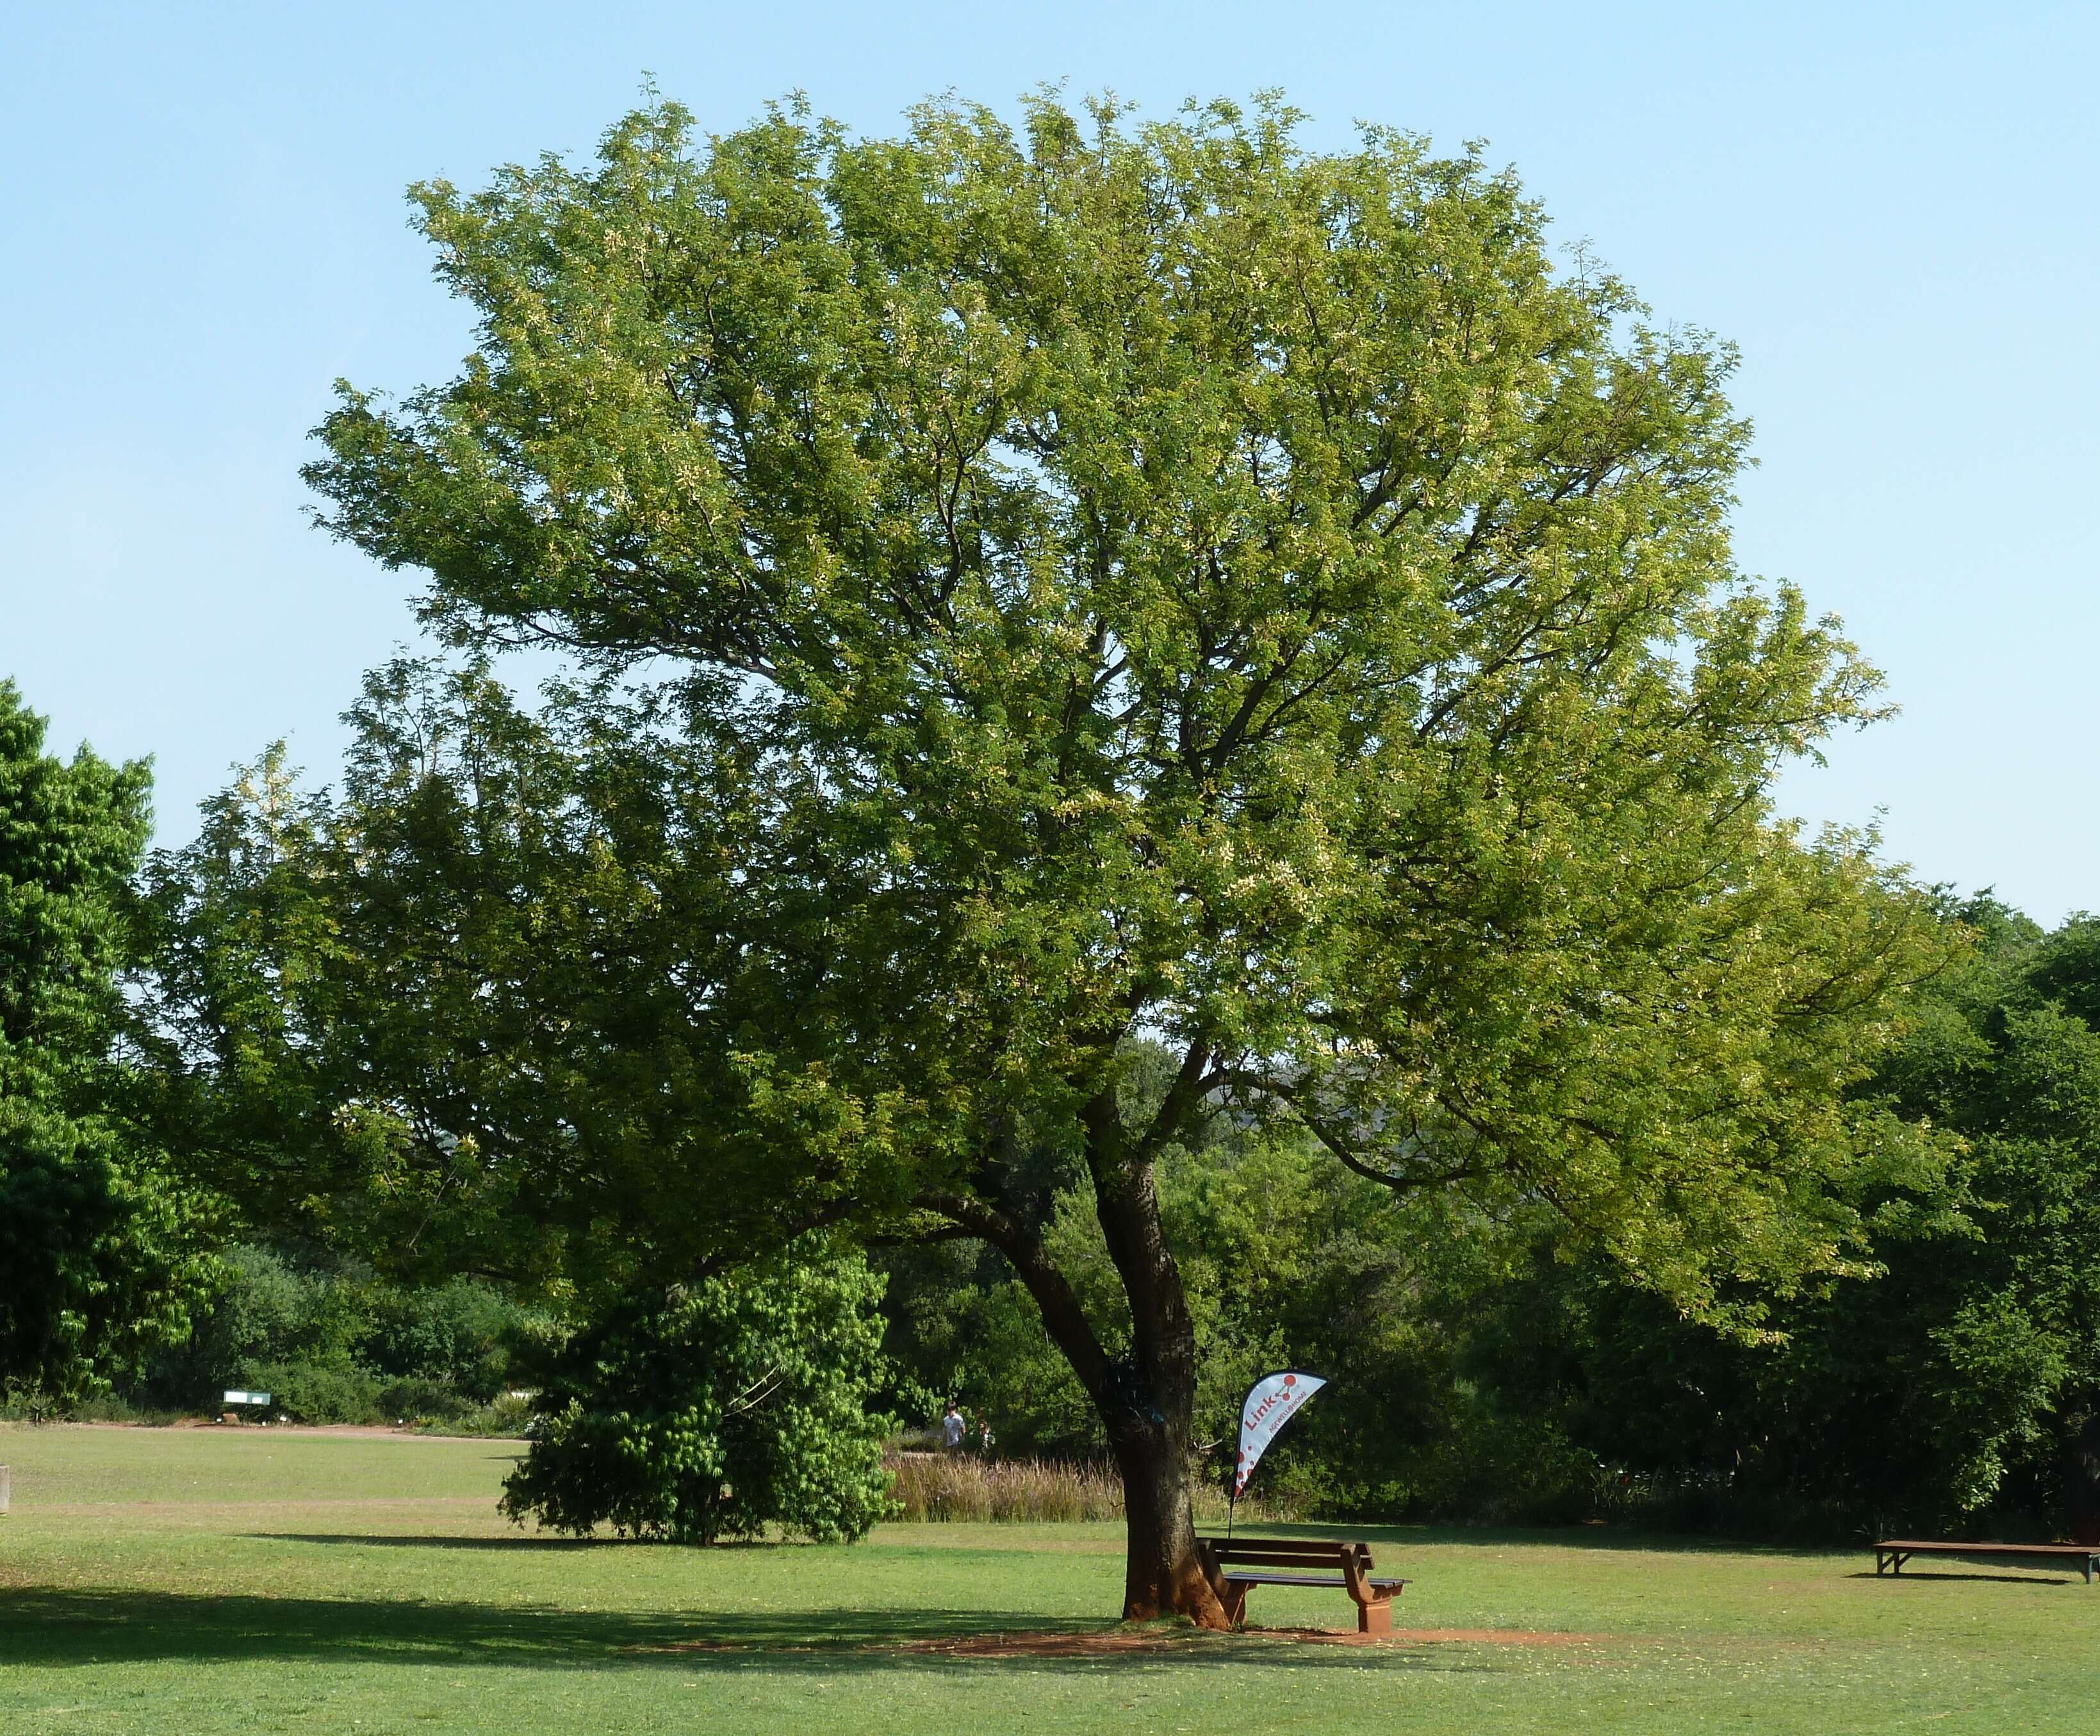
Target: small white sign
246	1398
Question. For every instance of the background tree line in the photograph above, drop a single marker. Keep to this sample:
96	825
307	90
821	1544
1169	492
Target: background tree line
1481	1369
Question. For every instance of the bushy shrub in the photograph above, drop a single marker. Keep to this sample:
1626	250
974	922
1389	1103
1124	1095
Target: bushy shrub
101	1249
276	1328
506	1417
335	1391
718	1411
454	1345
422	1399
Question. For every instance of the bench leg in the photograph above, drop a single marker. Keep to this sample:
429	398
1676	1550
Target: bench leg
1376	1616
1234	1600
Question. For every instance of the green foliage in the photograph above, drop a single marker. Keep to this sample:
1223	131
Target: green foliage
1281	1253
1500	1371
98	1248
296	1335
1954	1384
1997	1321
70	833
332	1346
1147	578
280	1017
723	1409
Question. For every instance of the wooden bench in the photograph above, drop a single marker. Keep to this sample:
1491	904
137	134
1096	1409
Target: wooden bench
1890	1557
1236	1567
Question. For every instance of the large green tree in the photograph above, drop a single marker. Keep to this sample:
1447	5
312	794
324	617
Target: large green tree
96	1256
1039	595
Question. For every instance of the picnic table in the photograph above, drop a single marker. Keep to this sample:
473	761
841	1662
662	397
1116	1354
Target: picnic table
1235	1566
1890	1555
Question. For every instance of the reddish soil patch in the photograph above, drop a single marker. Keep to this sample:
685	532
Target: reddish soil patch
1113	1641
1106	1643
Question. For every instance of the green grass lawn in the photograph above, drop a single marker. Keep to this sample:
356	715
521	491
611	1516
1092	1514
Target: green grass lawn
203	1581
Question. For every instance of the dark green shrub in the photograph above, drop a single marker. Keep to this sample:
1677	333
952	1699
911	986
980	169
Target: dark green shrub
420	1399
456	1341
272	1327
718	1411
101	1252
319	1392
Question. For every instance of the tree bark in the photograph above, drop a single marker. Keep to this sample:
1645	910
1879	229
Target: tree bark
1150	1421
1163	1573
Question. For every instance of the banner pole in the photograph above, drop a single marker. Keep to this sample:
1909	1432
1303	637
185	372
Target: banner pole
1232	1507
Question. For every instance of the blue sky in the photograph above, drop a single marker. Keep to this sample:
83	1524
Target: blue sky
1891	208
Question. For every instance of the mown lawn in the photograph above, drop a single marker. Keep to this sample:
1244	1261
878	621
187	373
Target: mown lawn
206	1581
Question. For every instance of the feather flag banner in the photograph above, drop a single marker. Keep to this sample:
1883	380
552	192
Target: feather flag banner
1270	1403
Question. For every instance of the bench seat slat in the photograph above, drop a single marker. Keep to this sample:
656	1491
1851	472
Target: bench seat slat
1269	1552
1334	1580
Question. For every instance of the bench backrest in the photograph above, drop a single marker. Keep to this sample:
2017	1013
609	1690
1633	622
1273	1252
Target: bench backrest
1288	1552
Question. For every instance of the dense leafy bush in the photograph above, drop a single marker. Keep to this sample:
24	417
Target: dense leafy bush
718	1411
99	1262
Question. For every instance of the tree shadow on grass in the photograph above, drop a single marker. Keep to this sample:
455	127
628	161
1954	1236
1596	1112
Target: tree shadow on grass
1980	1579
424	1541
56	1628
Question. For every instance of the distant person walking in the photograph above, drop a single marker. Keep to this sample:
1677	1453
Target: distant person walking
952	1428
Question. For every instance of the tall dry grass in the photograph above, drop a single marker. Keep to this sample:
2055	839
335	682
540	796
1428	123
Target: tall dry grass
962	1488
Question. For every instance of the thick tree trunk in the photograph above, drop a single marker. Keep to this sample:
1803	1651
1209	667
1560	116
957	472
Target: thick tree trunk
1162	1575
1151	1416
